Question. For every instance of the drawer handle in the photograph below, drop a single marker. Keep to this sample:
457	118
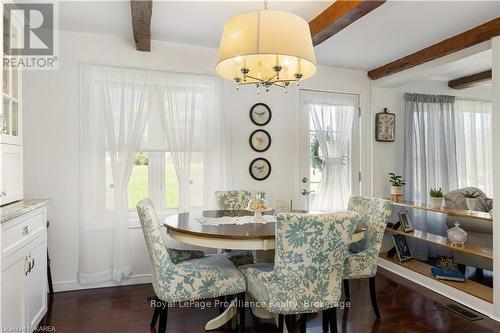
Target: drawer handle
32	264
26	230
26	261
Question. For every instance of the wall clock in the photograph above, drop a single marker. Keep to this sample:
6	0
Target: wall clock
260	114
260	168
260	140
385	126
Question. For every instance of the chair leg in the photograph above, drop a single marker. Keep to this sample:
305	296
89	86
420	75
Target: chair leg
324	315
154	319
347	292
163	318
281	324
373	296
241	310
303	322
156	313
333	320
290	323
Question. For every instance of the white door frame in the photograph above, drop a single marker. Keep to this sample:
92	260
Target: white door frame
303	162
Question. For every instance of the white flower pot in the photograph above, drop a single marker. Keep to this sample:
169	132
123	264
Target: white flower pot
397	190
435	202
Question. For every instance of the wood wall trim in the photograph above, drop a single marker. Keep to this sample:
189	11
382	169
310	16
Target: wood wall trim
338	16
141	23
470	80
453	44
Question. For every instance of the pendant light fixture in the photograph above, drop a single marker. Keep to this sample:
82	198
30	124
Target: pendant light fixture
265	48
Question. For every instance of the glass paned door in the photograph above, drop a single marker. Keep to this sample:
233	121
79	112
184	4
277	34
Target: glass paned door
10	117
329	154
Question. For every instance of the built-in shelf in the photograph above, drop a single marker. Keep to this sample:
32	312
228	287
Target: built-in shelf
470	287
484	216
468	248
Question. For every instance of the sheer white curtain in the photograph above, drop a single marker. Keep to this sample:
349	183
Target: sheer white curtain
114	111
474	153
430	159
332	124
123	111
193	120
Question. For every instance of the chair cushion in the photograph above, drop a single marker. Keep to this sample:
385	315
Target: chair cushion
201	278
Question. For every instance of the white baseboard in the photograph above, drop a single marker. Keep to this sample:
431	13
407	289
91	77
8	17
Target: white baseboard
75	285
456	295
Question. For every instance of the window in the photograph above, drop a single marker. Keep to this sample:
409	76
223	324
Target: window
153	176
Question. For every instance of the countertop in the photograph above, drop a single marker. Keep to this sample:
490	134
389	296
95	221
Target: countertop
15	209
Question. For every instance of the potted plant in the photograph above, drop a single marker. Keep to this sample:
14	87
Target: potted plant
436	196
471	199
398	184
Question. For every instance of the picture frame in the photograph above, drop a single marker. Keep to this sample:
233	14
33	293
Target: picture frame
402	248
260	169
260	114
385	126
405	220
260	140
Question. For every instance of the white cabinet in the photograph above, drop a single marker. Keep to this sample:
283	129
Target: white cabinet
11	152
24	272
11	169
11	115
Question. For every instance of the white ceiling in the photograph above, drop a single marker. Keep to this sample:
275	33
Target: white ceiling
393	30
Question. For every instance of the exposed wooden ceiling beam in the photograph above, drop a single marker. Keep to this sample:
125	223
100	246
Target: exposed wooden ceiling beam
338	16
470	80
141	23
453	44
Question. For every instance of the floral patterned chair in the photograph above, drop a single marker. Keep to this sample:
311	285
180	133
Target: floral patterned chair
236	200
362	259
180	275
307	273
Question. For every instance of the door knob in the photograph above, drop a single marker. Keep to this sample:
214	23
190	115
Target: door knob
306	192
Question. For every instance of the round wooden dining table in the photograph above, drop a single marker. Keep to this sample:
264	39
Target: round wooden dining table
187	228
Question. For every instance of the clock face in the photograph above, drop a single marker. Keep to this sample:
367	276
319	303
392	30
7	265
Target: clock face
260	114
260	169
260	140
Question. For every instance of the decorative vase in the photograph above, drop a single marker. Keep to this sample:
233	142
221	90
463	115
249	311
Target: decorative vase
473	204
436	202
397	193
457	235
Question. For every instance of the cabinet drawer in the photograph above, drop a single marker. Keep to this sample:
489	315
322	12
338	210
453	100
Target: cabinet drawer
21	230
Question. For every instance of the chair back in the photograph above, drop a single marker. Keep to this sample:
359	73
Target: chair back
310	252
236	199
158	252
373	213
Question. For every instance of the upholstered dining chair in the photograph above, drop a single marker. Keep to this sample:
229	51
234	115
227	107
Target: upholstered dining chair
307	272
236	200
180	275
361	261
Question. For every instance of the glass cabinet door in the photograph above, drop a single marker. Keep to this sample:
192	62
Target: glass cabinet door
10	119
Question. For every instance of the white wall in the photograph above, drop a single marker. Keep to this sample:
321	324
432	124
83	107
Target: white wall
51	148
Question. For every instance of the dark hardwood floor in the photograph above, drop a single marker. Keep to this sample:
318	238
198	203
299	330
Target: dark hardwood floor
404	307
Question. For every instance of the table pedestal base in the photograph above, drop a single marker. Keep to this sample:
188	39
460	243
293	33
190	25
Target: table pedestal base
223	318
